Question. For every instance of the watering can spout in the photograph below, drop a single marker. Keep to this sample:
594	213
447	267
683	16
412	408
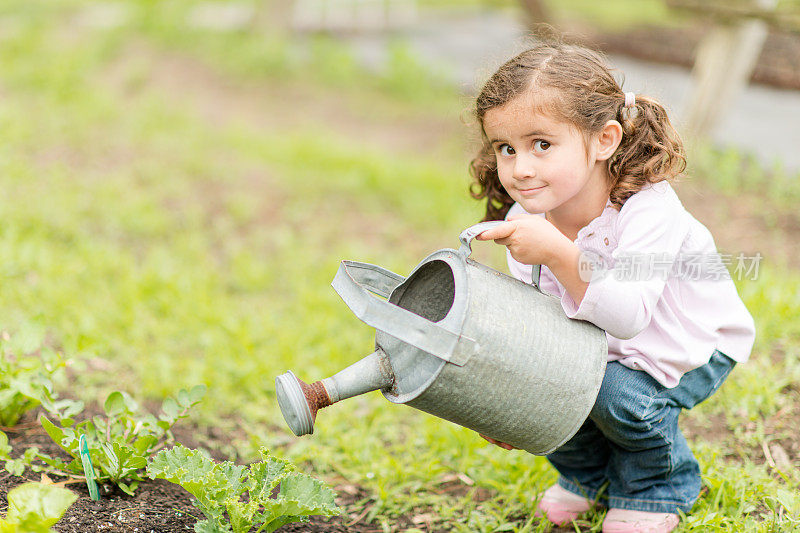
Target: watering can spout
299	401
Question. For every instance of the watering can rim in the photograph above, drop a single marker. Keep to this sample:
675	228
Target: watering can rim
455	317
444	339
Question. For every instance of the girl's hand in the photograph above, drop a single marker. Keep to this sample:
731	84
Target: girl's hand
531	239
498	443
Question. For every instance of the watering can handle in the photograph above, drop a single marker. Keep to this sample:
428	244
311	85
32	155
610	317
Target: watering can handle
354	281
473	231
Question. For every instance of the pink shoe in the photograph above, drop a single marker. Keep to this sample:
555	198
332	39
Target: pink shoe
561	506
627	521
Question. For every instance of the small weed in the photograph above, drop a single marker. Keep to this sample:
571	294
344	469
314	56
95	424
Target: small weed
34	507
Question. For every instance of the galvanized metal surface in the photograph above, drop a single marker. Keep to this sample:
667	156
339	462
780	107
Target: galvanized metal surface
473	231
537	376
354	281
530	375
374	372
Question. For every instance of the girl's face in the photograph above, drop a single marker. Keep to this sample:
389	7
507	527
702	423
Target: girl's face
542	163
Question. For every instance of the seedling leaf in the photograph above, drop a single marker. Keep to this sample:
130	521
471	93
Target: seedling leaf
35	507
59	436
27	371
209	526
170	408
5	447
115	404
15	467
196	394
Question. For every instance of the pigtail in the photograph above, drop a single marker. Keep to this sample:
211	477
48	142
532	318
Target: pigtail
486	184
651	149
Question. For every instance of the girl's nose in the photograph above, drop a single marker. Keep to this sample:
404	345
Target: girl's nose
523	166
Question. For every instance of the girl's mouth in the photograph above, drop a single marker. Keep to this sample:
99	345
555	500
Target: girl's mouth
531	191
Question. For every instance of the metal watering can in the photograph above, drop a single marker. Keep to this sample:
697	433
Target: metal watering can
466	343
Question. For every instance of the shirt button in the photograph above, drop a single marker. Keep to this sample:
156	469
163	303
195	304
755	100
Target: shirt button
606	241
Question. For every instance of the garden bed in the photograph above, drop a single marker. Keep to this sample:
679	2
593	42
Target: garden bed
160	506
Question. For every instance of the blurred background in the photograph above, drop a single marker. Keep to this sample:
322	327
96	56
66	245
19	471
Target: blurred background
697	57
180	180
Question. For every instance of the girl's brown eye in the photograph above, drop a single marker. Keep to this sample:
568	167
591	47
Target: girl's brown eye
541	146
505	149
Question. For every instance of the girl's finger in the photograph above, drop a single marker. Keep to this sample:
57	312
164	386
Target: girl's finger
490	439
500	232
498	443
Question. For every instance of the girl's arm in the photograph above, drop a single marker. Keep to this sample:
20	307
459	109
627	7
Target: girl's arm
566	265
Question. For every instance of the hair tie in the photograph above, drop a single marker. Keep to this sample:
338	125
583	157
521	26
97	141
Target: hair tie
630	99
629	111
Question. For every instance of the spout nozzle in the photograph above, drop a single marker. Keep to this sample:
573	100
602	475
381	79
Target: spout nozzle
299	402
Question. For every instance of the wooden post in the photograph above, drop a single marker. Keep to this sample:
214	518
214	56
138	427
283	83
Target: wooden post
723	66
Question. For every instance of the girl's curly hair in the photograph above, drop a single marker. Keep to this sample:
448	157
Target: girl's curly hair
574	84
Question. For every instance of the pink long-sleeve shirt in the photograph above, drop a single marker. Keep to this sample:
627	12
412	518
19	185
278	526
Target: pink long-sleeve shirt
658	287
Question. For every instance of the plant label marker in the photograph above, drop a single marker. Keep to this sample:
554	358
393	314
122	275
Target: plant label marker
88	470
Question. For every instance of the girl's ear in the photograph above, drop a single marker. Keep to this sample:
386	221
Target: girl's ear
608	140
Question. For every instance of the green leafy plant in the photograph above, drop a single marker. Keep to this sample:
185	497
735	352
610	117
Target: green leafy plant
34	507
27	370
121	442
264	495
17	466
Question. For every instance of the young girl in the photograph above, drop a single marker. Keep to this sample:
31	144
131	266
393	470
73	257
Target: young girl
580	171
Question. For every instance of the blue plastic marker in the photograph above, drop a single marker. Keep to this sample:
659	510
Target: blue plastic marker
88	469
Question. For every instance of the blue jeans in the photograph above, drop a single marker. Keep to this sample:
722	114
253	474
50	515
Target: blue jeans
632	440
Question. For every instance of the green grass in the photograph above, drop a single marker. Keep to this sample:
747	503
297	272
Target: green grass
155	244
734	172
